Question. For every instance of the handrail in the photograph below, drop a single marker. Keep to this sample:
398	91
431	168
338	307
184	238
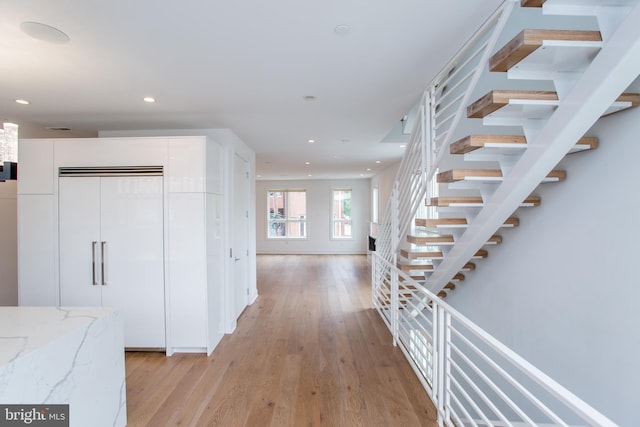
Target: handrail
502	388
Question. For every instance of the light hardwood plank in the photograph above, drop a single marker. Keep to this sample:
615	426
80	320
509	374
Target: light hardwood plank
528	41
474	201
308	352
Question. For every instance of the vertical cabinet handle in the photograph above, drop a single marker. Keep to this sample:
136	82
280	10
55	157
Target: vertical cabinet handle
94	270
103	248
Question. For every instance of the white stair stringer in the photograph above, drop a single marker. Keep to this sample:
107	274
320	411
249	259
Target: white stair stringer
609	13
611	72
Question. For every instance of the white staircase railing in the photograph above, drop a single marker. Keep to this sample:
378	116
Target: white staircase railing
441	108
472	378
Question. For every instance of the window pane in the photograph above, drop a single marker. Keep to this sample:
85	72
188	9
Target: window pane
341	214
276	229
286	214
342	229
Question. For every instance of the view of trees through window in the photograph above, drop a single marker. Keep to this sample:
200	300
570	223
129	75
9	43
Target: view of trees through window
287	214
341	218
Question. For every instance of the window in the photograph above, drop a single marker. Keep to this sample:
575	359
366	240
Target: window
374	205
341	218
287	214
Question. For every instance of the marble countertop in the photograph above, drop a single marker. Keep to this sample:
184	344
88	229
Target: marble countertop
26	329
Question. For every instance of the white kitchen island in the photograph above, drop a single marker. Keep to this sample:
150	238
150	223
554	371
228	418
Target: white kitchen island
58	355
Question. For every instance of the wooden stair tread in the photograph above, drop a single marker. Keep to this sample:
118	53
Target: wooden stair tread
425	240
415	267
409	254
473	142
497	99
423	222
474	201
528	41
532	3
469	266
443	222
454	175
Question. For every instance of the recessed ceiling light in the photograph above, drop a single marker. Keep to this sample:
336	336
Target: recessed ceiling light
311	141
342	30
368	169
307	163
22	101
149	99
378	161
259	176
309	98
309	175
44	32
402	145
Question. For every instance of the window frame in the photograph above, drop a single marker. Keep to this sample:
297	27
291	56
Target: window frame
285	219
334	220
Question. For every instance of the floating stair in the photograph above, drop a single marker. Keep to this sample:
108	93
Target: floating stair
407	267
459	277
528	41
532	3
488	175
428	268
456	222
507	143
414	267
444	240
474	202
421	254
498	99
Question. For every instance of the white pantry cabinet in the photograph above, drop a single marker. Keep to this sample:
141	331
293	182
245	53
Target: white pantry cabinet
160	237
111	250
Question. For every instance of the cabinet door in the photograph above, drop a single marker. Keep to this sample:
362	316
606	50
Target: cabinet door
79	222
37	250
132	249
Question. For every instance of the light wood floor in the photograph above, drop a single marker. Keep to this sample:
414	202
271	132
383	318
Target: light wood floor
308	352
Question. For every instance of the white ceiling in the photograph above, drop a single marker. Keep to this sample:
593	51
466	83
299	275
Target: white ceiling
245	65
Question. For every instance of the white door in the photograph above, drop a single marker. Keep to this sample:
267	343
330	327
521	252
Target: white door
132	250
111	231
79	225
240	233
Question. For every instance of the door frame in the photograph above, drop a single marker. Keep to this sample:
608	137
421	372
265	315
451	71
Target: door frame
240	191
234	146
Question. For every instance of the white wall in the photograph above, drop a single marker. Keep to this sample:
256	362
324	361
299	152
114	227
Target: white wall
8	243
562	289
383	181
318	239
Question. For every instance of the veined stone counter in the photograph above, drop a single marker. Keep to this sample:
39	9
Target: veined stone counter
58	355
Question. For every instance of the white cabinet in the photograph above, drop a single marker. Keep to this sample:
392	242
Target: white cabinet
162	240
111	250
